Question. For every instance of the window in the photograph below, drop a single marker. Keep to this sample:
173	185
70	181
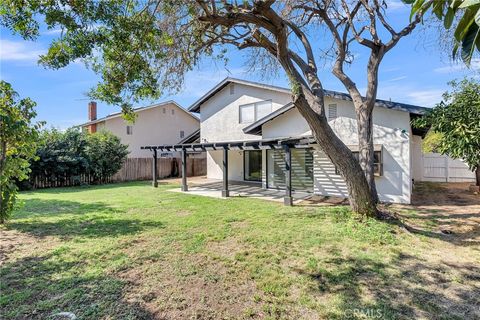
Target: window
252	112
164	110
173	111
377	163
182	134
247	113
301	170
129	130
332	111
252	165
232	88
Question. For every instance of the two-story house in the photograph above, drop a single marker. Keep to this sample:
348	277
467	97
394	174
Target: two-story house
164	123
252	132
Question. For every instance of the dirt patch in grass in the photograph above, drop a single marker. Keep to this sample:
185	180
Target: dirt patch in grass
192	287
447	211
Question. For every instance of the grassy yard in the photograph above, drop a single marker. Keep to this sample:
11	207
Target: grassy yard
129	251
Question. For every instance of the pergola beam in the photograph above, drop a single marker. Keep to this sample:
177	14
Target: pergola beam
184	170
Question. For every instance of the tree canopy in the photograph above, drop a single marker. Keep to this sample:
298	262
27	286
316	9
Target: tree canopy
454	124
463	16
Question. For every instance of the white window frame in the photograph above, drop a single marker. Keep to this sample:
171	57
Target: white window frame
255	105
129	130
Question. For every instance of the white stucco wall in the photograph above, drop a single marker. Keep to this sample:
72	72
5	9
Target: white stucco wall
220	122
215	165
394	185
152	127
220	114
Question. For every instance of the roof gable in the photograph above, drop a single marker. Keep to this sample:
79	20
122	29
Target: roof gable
136	110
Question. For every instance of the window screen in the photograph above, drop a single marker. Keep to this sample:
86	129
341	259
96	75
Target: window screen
247	113
255	111
262	109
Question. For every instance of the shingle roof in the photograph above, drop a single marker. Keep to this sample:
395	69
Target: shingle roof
195	107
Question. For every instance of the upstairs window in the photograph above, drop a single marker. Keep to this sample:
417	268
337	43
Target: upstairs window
182	134
129	130
332	111
232	88
173	111
164	110
252	112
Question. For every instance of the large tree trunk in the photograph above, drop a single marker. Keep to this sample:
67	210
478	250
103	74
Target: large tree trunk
366	148
477	175
360	197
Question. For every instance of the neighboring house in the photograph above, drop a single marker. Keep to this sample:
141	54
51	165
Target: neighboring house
162	123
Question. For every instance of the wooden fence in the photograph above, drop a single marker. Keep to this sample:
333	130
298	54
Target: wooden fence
142	168
132	169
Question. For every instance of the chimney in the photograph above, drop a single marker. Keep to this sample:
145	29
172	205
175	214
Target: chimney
92	111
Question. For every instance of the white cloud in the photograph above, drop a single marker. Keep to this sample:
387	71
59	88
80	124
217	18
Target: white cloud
396	79
426	98
19	51
395	5
460	66
52	32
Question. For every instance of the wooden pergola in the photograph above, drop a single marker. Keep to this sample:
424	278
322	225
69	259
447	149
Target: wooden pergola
285	144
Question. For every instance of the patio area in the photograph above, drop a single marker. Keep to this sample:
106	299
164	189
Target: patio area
203	186
213	188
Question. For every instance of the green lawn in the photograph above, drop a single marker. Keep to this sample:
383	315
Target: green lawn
129	251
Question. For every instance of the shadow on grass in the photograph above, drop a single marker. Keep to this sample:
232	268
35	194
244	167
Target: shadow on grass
71	219
406	288
41	287
63	190
55	208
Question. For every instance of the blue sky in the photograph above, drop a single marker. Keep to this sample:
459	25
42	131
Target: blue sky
416	71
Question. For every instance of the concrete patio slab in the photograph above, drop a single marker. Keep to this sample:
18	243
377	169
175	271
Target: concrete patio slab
213	188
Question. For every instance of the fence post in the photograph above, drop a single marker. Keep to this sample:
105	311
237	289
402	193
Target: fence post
154	170
447	169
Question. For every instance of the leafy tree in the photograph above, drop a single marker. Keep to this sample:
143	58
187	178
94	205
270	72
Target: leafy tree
105	154
463	14
67	155
17	144
60	155
455	124
141	48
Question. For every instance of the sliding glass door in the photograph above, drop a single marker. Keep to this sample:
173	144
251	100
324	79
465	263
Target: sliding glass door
252	160
302	169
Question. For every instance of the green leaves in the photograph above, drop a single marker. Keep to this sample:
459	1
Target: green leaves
18	137
455	123
465	15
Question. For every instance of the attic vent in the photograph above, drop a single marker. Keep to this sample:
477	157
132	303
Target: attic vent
332	111
232	88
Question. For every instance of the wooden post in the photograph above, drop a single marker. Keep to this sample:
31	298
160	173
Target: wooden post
225	192
287	200
154	170
184	170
